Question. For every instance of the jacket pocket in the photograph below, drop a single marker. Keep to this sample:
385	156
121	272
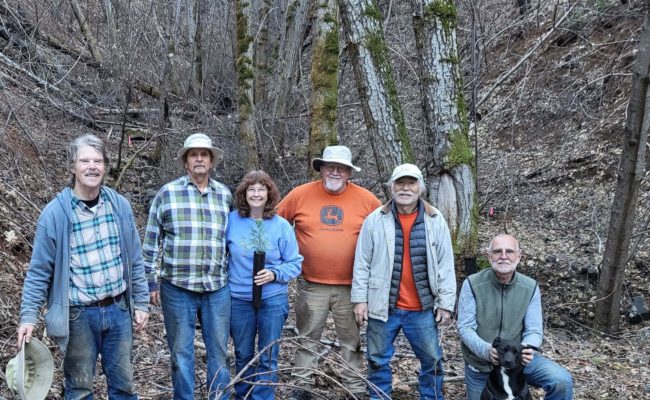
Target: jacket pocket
56	321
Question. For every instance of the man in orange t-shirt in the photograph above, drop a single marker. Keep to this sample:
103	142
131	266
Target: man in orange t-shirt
328	215
404	280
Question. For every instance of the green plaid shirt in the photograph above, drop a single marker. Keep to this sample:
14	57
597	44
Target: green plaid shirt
190	226
95	263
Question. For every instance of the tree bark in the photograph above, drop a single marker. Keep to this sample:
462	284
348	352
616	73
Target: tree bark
452	173
91	42
374	80
324	81
245	77
630	174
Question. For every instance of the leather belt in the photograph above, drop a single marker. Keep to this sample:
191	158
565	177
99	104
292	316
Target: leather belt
106	302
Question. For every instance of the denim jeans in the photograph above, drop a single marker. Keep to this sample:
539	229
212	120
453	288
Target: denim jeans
421	331
266	324
99	330
180	308
541	372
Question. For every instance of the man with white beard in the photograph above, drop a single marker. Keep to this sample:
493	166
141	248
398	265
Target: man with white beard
500	302
327	215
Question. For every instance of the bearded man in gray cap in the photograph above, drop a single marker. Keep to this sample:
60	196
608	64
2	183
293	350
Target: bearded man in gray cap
187	230
404	280
327	215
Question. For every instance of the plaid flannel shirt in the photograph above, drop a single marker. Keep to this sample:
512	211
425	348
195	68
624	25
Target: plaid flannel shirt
95	262
190	226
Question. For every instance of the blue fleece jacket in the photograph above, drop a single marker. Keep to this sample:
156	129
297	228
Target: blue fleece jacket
48	276
276	236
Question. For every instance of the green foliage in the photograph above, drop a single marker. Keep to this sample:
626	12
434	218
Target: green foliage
461	151
372	11
257	240
243	63
445	12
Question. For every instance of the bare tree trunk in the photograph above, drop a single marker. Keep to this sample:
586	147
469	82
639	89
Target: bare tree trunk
288	60
110	22
244	67
324	80
452	173
630	173
196	81
91	42
374	80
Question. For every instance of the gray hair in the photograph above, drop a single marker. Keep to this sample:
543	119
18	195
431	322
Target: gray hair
73	150
423	188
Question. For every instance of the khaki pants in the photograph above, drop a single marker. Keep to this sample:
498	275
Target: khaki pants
313	302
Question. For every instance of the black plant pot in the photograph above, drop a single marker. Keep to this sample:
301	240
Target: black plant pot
258	265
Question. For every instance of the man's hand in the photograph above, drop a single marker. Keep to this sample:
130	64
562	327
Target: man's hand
361	313
494	356
527	355
24	331
140	319
154	297
443	317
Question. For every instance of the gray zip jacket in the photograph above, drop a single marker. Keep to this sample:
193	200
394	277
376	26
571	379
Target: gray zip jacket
374	256
48	276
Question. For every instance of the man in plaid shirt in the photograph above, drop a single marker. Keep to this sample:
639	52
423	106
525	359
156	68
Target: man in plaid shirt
186	231
87	264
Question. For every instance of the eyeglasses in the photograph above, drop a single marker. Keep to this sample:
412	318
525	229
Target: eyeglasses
335	167
510	253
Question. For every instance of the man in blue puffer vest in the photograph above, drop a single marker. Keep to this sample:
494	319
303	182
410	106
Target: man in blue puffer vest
500	302
404	279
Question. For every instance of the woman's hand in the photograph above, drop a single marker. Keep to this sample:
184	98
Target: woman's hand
264	276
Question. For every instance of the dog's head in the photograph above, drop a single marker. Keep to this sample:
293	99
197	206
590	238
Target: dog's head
509	352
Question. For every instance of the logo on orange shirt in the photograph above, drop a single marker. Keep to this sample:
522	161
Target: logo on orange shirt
331	215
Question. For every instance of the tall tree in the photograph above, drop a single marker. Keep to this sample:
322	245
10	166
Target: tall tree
630	173
324	80
373	74
244	67
451	175
84	26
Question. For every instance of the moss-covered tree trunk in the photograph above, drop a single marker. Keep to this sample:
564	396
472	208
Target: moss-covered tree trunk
452	172
324	81
244	67
374	80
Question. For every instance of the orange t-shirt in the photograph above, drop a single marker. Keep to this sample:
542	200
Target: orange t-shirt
327	227
408	298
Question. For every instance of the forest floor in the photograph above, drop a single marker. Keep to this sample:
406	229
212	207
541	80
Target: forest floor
548	149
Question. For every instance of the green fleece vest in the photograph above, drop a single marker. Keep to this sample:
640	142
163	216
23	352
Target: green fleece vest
500	309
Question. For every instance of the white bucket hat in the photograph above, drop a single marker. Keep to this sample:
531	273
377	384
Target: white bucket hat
406	170
335	154
199	141
30	373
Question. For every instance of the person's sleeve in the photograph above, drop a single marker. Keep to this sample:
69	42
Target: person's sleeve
533	324
39	274
139	288
467	324
446	298
152	242
362	262
291	258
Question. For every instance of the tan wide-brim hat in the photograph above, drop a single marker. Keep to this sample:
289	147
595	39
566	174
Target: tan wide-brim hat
30	373
335	154
199	141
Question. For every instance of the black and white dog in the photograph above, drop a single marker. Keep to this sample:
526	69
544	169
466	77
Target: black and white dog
507	380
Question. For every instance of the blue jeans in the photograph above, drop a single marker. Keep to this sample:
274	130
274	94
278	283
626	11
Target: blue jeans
267	325
99	330
541	372
180	308
421	330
